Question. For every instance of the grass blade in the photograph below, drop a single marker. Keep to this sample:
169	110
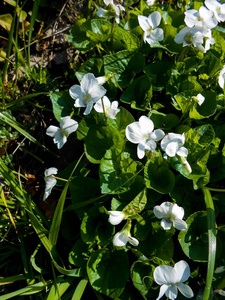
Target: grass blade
212	242
80	289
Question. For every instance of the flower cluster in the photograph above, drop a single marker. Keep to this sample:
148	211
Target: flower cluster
117	9
199	24
143	134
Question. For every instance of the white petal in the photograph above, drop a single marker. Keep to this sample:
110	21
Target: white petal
146	125
88	82
177	211
79	103
166	225
154	19
159	212
179	224
171	149
116	217
182	151
51	171
133	241
191	17
50	182
88	108
113	110
60	139
101	12
76	92
97	92
162	291
164	275
134	133
143	22
182	270
185	290
157	35
51	130
157	135
120	239
150	145
141	150
171	292
68	125
180	37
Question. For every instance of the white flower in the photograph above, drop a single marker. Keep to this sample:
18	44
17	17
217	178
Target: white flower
116	217
116	7
222	78
172	279
189	36
87	93
142	133
201	18
60	134
186	164
170	214
50	181
217	8
150	2
121	238
173	143
102	13
110	108
149	25
200	99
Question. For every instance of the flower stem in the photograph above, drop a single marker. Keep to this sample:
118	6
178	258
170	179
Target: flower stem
103	107
215	190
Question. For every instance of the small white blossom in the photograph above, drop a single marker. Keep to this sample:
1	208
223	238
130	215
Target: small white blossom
173	143
200	18
150	2
50	181
60	134
87	93
110	109
172	279
170	214
116	7
121	238
116	217
149	25
222	78
217	8
142	133
199	99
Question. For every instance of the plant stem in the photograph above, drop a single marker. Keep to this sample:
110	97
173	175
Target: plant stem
211	220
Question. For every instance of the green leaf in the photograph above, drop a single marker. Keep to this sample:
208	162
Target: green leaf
142	276
124	64
79	254
152	236
194	240
123	39
116	171
123	118
208	107
103	136
6	21
62	104
95	226
139	93
92	65
138	204
158	175
108	271
59	287
80	289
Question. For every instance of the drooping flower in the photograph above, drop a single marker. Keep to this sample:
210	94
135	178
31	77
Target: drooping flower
172	279
60	134
104	105
50	181
173	143
221	78
200	18
170	214
116	217
142	133
87	93
116	7
121	238
149	25
217	8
